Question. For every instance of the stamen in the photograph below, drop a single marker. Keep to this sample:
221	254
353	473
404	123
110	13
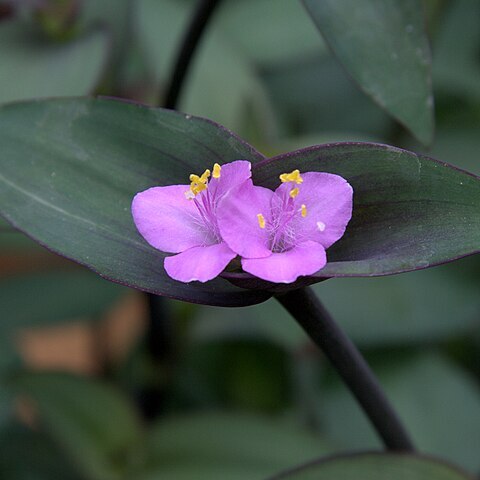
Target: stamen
304	210
198	184
321	226
294	192
205	176
261	220
216	171
292	177
189	195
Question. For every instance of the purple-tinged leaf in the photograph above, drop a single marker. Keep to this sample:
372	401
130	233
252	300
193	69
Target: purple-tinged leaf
70	168
376	466
409	211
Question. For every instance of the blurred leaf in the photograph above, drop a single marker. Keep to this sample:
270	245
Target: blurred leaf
376	466
267	320
29	455
70	168
456	66
6	406
384	47
45	298
438	402
94	423
425	306
221	84
226	446
410	211
312	95
34	67
460	146
258	27
245	374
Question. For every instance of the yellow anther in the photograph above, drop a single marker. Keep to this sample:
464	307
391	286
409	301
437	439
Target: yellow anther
261	220
216	170
196	188
198	184
294	192
304	210
291	177
205	176
194	178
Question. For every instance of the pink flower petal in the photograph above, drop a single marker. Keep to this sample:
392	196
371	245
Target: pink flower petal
238	221
328	199
199	263
231	175
304	259
168	221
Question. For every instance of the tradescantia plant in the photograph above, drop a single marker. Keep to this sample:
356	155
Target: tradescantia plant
103	182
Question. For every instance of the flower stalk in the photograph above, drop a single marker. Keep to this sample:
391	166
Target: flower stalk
315	320
199	21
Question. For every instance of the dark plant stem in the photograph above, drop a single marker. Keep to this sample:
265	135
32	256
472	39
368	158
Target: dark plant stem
199	21
159	345
312	316
159	329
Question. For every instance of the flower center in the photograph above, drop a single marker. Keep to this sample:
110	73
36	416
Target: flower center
284	210
205	203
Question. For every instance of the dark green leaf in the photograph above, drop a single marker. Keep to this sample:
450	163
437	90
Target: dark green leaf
456	67
37	67
29	455
410	212
288	25
45	298
376	466
222	84
94	423
384	47
70	168
226	446
425	306
438	402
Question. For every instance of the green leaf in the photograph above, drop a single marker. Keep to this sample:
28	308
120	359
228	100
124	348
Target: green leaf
376	466
94	423
70	168
419	307
35	67
53	297
425	306
288	25
222	84
438	402
301	106
455	64
29	455
227	446
410	211
383	46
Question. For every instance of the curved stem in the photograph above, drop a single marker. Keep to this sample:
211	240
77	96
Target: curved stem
199	21
309	312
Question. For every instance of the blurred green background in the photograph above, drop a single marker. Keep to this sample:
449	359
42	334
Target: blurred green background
241	393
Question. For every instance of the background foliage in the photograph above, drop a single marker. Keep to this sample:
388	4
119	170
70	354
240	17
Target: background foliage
244	393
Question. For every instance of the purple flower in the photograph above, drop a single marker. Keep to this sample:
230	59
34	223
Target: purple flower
183	219
284	234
